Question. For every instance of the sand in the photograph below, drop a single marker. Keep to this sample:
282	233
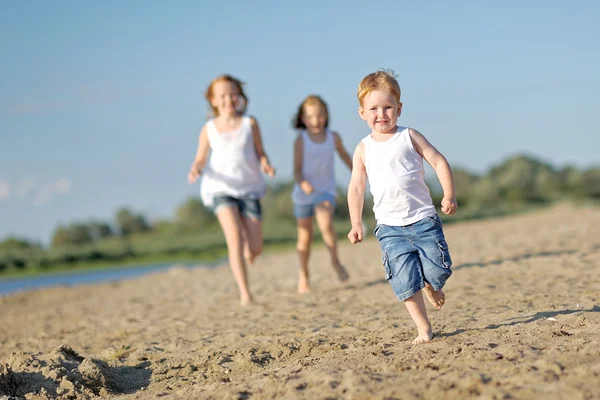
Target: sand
521	321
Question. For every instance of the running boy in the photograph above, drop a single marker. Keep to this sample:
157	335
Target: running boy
414	250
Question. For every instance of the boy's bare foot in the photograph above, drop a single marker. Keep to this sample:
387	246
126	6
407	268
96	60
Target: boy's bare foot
436	298
425	335
341	272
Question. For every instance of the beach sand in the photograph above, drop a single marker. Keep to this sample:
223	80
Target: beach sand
521	321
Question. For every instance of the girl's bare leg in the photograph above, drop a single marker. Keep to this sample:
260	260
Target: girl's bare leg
253	238
231	223
416	308
305	228
324	216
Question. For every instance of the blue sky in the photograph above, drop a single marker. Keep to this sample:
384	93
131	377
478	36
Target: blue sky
101	102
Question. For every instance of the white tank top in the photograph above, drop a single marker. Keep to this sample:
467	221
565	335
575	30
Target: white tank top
317	168
233	168
397	180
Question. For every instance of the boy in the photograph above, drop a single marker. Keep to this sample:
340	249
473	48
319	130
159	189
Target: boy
414	251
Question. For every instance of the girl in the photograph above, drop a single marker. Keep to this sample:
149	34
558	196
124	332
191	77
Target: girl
314	193
232	183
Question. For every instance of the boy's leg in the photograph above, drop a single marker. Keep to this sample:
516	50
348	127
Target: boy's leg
435	258
437	298
324	216
416	308
231	223
305	227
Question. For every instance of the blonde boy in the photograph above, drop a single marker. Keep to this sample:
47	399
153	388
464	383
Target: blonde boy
414	250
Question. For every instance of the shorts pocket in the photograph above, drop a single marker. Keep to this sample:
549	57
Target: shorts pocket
376	231
386	265
445	253
435	219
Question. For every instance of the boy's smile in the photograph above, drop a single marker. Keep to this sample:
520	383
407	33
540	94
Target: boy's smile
380	110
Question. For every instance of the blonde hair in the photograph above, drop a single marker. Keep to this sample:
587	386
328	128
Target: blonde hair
226	78
380	79
309	101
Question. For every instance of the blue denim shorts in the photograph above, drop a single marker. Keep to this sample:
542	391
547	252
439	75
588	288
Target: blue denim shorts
414	254
248	207
308	210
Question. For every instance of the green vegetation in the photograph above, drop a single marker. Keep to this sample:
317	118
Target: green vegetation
517	184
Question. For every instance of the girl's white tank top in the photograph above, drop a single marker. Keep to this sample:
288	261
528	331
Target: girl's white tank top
317	168
397	180
233	168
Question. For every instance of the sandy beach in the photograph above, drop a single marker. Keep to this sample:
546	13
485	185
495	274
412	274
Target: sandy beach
521	321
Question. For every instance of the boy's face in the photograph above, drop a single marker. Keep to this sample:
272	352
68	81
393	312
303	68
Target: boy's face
380	110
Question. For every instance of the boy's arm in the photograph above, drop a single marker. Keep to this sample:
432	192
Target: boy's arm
356	194
441	167
342	150
201	156
260	152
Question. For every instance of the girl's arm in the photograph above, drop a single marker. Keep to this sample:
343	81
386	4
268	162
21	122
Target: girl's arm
342	150
260	152
441	167
201	156
298	162
356	194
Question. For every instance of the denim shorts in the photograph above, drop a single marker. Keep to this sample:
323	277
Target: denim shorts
414	254
248	207
308	210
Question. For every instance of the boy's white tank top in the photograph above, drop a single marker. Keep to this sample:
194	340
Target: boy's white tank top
233	168
397	180
317	168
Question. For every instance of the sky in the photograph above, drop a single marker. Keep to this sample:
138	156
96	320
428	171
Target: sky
101	103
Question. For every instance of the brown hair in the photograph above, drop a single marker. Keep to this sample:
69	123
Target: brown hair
310	100
225	78
381	79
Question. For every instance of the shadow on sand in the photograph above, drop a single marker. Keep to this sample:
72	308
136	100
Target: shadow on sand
524	320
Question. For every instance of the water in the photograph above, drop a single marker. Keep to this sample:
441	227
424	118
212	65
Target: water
78	278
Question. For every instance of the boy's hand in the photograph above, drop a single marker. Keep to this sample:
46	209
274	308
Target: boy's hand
267	168
356	234
306	187
193	174
449	205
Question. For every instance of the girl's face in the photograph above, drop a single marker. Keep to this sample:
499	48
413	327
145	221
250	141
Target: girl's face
226	98
314	117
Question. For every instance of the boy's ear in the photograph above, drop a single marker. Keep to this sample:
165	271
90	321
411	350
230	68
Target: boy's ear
399	108
361	113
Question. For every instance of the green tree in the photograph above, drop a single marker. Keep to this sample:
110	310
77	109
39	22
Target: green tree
14	243
517	178
73	234
464	184
130	223
100	230
590	183
192	215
